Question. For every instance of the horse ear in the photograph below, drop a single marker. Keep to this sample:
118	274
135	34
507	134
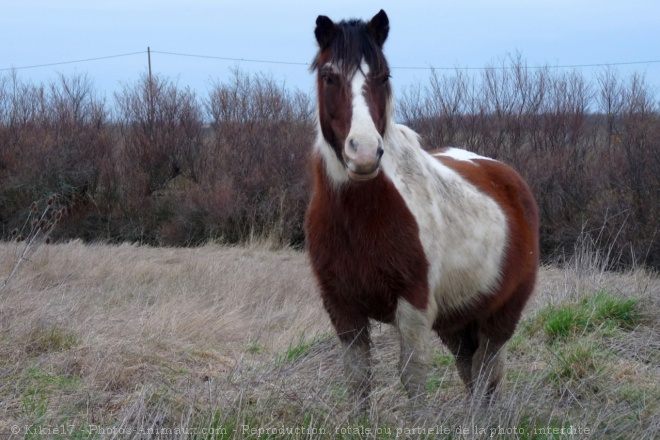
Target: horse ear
325	31
379	26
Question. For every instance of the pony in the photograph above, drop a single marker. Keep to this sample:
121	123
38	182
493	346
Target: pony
443	240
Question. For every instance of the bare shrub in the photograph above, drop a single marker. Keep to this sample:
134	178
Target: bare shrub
261	135
161	130
168	167
55	139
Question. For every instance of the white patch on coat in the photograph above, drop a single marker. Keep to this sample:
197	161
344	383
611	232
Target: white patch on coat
363	140
460	154
462	230
336	172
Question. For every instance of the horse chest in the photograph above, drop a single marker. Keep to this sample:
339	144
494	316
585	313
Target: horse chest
365	249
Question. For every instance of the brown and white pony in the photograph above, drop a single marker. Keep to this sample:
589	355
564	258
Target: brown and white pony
444	240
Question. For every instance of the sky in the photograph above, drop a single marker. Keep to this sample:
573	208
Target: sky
423	34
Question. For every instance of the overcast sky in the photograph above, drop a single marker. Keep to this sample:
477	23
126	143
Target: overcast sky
442	34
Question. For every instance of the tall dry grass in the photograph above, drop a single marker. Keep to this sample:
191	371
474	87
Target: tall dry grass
226	340
139	317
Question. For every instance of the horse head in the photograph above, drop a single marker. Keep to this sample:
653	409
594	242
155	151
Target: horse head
354	93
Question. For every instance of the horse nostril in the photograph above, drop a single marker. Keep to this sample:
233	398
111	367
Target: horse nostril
354	144
379	152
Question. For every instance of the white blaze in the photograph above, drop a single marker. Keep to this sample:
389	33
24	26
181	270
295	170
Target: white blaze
360	150
362	126
363	140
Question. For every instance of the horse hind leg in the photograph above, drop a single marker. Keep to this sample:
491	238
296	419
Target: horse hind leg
488	367
412	325
489	362
463	344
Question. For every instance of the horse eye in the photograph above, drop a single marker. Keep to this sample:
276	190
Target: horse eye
381	79
327	79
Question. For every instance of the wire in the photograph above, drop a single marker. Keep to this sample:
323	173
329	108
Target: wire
248	60
544	66
230	59
73	61
407	67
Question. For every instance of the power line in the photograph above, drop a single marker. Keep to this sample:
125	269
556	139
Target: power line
260	61
73	61
230	59
543	66
410	67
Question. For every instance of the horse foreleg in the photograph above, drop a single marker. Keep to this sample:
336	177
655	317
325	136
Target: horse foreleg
413	326
357	363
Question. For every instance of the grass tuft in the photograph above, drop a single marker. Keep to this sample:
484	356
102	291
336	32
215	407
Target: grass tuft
300	349
49	339
598	311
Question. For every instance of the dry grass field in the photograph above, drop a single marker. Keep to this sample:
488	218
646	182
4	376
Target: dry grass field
100	341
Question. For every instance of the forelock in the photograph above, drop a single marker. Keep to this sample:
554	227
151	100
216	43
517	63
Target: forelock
352	43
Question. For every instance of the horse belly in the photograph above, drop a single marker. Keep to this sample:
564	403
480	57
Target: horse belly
469	269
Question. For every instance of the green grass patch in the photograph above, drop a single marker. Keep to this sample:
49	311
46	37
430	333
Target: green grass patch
299	349
295	352
46	340
436	382
254	348
576	362
217	427
441	359
520	342
600	311
437	379
39	380
39	387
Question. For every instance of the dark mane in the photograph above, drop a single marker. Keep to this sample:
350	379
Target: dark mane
350	44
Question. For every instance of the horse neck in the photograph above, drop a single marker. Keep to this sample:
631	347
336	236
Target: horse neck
401	144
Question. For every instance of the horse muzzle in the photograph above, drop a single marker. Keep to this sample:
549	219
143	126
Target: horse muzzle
362	158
